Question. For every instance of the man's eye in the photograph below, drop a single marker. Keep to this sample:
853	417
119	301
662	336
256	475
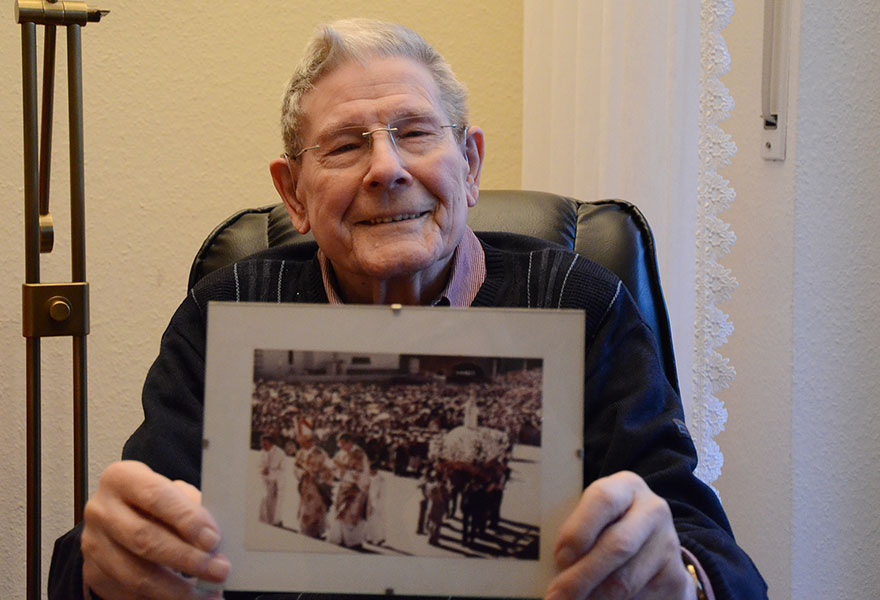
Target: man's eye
343	147
414	133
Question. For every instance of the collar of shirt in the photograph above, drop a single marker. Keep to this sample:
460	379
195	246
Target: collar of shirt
466	275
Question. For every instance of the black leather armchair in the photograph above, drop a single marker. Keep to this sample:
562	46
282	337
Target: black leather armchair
612	233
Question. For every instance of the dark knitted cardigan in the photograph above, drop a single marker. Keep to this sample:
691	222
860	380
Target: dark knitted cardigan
632	416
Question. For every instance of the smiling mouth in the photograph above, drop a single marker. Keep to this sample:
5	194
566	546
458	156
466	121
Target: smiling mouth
395	219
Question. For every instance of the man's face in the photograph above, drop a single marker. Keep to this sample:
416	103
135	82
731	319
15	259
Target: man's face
391	215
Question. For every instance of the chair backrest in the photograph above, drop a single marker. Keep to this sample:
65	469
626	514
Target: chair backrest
612	233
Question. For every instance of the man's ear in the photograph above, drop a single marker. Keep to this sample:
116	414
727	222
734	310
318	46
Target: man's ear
285	174
473	155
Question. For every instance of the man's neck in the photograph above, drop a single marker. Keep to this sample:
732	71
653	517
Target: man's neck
418	289
457	281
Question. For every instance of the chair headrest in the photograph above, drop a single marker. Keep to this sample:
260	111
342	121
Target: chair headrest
613	233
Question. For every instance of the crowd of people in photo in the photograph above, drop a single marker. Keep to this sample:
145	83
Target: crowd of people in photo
340	436
475	490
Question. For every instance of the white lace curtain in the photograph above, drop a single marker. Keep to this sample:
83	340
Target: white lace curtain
622	99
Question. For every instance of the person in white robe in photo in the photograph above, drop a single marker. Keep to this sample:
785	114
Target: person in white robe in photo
375	531
271	469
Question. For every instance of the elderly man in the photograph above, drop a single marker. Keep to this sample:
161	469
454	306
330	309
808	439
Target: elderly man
382	166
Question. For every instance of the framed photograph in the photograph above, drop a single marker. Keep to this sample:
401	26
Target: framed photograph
392	450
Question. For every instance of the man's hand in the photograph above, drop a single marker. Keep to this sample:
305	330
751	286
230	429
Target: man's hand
145	536
620	543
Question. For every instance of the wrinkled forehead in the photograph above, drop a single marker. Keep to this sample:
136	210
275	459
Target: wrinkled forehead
364	93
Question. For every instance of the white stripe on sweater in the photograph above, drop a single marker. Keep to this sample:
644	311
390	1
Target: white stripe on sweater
280	275
565	280
237	289
613	300
529	283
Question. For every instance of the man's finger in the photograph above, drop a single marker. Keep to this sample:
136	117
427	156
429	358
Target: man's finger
160	499
613	552
115	573
643	571
603	502
150	540
192	492
671	582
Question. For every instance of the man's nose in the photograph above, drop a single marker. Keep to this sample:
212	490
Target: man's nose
387	166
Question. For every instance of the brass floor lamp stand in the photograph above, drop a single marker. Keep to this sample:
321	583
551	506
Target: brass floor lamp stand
52	309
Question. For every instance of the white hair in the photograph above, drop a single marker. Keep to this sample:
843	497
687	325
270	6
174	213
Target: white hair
359	40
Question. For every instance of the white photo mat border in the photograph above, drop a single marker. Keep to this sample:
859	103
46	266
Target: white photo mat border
235	330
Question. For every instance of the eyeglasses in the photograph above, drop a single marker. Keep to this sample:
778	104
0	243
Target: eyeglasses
411	137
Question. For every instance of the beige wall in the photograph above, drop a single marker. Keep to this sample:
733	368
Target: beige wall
181	111
756	479
800	478
836	321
